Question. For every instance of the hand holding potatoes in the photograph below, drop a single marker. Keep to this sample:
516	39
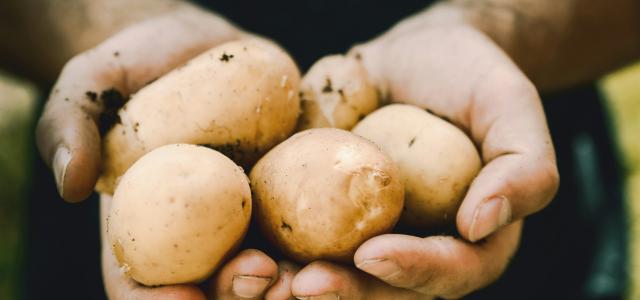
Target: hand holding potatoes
479	91
69	141
460	75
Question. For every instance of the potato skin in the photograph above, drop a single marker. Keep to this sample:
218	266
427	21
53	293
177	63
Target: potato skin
336	92
240	98
437	161
177	213
323	192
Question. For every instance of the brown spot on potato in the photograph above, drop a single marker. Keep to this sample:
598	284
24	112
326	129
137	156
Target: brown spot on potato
381	177
285	226
91	95
413	140
327	86
343	99
226	57
118	251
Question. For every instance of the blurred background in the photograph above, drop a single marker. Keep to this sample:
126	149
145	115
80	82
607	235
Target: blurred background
50	249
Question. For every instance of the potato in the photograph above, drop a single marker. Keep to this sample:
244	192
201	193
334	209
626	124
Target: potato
437	161
240	98
177	213
336	92
323	192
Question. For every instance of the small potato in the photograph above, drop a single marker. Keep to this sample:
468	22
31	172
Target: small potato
177	213
323	192
336	93
437	161
240	98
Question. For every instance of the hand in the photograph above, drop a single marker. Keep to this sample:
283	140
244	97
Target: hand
67	133
407	267
437	61
69	141
251	274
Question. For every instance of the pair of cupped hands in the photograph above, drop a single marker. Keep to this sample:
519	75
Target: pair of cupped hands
441	64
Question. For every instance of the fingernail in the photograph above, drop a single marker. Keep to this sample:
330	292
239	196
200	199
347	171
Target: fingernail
490	215
60	162
379	267
245	286
329	296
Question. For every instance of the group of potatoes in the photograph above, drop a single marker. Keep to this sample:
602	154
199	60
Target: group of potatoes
182	202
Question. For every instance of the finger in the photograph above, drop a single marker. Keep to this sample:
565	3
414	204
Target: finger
103	78
247	276
68	140
440	266
281	289
120	287
520	176
326	281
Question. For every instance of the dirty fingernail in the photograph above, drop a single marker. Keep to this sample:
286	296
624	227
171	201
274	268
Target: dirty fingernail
245	286
381	268
490	215
60	162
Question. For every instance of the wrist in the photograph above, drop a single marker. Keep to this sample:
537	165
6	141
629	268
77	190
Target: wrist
531	33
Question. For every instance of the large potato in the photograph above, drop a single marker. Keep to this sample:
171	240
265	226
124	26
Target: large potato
323	192
336	92
240	98
437	161
177	212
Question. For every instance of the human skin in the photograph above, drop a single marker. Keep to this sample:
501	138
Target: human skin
71	125
465	60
